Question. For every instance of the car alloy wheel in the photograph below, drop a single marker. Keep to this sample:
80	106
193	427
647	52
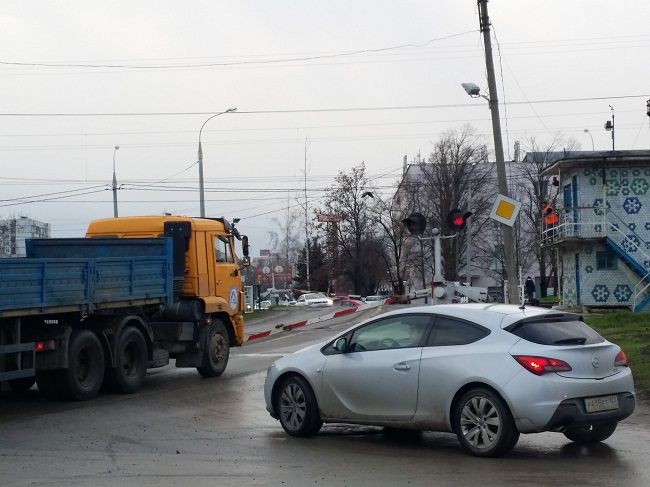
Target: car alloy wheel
480	422
297	408
483	424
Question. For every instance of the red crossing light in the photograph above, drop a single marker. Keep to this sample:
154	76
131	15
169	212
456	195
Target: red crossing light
457	219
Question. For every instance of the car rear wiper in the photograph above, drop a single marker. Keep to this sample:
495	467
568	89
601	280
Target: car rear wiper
571	341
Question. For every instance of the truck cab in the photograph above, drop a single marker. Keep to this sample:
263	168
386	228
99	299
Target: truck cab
206	267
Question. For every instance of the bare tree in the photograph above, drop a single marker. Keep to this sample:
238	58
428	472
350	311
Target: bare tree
355	230
537	189
447	179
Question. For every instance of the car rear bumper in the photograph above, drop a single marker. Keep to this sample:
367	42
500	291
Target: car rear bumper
537	403
571	412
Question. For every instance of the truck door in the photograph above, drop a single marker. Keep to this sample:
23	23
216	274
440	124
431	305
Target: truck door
227	276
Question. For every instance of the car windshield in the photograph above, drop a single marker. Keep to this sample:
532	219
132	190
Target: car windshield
315	296
555	332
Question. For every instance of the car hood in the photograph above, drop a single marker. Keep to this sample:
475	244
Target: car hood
292	358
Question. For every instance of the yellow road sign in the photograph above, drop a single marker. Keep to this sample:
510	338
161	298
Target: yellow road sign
505	210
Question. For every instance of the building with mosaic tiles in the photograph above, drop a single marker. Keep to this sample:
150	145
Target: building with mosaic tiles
602	237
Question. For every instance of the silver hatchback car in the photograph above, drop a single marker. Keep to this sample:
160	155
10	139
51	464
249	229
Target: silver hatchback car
484	372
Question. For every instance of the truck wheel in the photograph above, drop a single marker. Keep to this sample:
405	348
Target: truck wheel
85	373
217	350
48	382
131	361
20	386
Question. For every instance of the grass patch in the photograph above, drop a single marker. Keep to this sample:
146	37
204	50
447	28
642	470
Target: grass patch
549	300
631	331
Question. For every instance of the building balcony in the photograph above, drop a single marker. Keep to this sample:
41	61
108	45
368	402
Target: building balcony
577	224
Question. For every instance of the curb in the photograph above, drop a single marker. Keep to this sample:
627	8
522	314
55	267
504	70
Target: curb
281	328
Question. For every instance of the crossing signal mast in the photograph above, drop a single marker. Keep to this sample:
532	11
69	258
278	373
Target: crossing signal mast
416	224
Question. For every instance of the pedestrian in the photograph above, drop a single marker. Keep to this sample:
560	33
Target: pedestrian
550	220
529	286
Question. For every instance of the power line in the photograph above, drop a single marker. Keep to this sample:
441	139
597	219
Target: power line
312	110
235	63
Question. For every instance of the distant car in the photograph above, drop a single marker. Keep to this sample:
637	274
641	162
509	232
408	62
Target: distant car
314	299
485	372
263	305
349	303
374	299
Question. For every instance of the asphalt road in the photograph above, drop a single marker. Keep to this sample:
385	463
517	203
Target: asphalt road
184	430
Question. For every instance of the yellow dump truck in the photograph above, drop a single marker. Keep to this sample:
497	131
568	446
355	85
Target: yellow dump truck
133	294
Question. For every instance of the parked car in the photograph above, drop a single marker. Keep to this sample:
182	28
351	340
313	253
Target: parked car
266	304
314	299
484	372
375	299
349	303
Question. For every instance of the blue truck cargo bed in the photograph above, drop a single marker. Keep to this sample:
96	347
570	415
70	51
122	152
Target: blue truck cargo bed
85	275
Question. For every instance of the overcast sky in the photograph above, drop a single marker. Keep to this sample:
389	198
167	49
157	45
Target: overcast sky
162	67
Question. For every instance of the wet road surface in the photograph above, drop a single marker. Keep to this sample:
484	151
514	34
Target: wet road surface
183	430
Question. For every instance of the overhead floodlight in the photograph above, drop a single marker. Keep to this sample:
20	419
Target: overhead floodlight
472	90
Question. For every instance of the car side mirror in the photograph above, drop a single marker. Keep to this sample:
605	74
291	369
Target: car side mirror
341	345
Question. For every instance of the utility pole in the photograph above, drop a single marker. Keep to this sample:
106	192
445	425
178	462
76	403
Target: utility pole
468	236
117	147
508	243
306	222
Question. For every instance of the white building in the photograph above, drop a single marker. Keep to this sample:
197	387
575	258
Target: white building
15	231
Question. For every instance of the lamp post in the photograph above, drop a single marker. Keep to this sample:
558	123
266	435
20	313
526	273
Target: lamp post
115	149
586	131
474	91
609	126
201	189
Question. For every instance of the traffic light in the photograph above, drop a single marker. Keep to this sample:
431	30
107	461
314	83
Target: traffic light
456	219
415	223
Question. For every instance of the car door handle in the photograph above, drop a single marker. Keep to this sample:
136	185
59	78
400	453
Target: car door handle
402	366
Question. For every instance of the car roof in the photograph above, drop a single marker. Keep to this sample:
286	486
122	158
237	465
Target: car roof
496	315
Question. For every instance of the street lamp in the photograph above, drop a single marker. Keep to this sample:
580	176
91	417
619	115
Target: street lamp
474	91
201	189
586	131
115	149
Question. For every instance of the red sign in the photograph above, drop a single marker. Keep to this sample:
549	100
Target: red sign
329	217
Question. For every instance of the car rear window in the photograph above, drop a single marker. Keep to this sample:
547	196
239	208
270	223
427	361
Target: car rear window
556	332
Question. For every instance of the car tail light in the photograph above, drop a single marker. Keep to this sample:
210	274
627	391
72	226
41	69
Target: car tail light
44	346
621	360
542	365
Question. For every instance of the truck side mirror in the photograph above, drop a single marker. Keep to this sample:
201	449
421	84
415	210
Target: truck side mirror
244	245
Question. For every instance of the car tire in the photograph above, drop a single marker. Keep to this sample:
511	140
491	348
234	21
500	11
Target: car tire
216	351
483	424
84	376
591	433
131	362
295	404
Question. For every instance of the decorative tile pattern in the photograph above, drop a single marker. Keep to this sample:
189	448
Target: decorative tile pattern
593	180
587	172
598	206
631	243
600	293
647	226
632	205
622	293
639	186
613	187
625	172
646	264
589	250
636	172
631	226
589	269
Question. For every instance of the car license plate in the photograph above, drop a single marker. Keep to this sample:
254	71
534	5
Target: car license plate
605	403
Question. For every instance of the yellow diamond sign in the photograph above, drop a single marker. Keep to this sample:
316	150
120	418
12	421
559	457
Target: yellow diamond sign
505	210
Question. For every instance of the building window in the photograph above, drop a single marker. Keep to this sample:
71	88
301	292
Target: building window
606	261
